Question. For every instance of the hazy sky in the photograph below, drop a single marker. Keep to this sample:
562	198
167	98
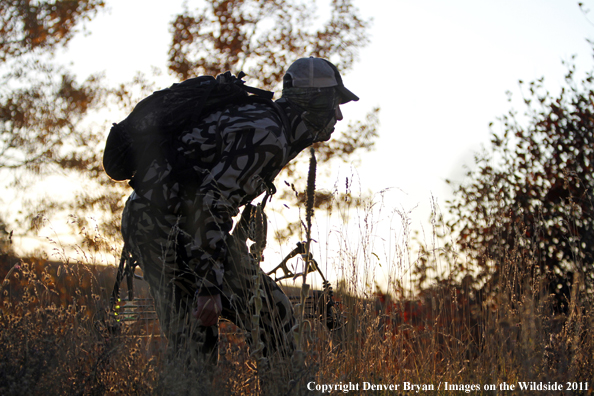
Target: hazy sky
438	69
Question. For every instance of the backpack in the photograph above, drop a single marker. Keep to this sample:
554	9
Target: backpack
150	129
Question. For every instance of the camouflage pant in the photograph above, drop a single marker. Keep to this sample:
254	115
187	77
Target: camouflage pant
157	241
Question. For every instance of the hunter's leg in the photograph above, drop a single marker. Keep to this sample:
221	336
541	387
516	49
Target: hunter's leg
156	241
276	316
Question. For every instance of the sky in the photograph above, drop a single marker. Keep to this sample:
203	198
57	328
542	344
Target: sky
439	70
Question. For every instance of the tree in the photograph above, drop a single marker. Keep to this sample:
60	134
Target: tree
45	126
44	109
40	26
262	37
40	103
525	215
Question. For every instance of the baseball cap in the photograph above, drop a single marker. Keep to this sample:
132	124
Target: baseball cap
317	73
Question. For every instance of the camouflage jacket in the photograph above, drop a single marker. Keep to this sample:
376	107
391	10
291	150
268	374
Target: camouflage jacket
228	160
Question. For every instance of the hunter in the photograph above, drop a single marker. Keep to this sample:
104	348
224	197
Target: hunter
179	229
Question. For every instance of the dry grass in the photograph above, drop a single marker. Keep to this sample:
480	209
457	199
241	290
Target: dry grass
49	344
448	332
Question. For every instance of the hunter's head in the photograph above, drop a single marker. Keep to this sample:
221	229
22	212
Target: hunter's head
315	86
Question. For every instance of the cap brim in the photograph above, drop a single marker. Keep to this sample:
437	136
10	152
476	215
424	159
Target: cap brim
346	95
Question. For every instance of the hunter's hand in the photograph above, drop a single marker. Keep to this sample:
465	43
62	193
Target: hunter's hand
208	309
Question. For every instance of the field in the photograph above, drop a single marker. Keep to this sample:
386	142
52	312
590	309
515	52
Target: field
445	339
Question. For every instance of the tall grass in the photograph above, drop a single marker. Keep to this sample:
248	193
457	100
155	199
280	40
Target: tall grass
52	340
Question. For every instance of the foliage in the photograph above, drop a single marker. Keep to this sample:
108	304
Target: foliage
529	199
41	104
41	119
40	26
45	111
262	37
5	239
52	123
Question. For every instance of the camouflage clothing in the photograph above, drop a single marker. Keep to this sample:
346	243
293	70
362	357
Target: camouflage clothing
155	238
233	154
177	223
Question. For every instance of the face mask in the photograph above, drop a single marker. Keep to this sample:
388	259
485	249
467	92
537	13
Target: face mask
321	134
319	109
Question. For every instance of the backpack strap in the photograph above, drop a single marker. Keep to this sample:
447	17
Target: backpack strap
253	90
259	92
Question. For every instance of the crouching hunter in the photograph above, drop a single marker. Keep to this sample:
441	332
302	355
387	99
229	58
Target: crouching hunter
179	228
